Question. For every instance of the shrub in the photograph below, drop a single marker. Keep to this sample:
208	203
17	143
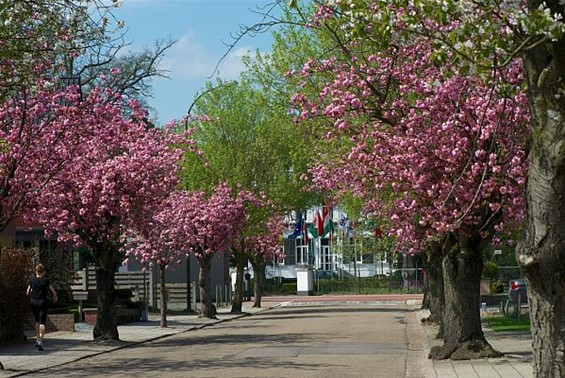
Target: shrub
497	287
490	270
123	294
15	272
125	316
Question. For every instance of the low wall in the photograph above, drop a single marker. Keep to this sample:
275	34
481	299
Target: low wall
124	316
55	323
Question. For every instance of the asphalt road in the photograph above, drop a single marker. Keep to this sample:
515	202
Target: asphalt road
301	340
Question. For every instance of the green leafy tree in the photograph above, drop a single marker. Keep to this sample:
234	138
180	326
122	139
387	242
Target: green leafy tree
250	142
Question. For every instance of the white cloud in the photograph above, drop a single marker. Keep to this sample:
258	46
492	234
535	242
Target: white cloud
189	59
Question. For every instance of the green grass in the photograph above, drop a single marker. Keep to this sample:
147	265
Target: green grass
504	323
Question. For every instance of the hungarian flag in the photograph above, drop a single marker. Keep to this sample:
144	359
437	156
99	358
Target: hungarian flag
327	224
319	224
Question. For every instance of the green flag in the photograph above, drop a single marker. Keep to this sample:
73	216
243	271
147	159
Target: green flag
312	229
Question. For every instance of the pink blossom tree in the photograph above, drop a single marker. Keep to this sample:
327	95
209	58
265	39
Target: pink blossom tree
119	169
196	223
259	243
36	142
264	247
156	242
439	153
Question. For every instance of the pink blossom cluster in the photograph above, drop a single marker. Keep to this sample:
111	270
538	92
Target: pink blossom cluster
267	242
116	170
190	222
432	150
37	141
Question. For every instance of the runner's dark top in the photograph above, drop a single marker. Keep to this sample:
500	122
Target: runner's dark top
39	287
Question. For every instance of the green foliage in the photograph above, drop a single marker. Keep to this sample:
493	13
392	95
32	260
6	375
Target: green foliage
123	294
497	287
351	285
490	270
274	287
128	315
249	142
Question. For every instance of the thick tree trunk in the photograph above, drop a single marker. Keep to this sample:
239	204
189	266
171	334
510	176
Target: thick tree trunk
237	303
207	308
163	304
462	332
258	264
541	253
435	300
106	327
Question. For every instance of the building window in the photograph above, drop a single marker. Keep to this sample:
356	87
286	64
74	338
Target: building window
301	252
326	262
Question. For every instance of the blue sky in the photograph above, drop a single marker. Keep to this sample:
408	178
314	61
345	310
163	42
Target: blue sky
200	28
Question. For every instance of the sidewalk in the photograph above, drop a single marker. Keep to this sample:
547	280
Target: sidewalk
516	347
64	347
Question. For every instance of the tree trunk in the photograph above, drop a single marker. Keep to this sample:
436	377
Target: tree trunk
163	304
258	264
462	332
237	303
106	327
541	254
435	292
207	309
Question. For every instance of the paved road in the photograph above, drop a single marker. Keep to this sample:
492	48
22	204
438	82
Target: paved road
305	340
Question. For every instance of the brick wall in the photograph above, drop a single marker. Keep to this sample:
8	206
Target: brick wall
56	322
90	315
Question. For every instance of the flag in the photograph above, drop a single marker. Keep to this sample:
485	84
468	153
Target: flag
304	231
319	223
343	223
313	230
327	225
297	229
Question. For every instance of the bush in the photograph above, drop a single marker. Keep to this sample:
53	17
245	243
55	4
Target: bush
363	285
15	272
490	270
129	315
123	294
497	287
284	287
139	305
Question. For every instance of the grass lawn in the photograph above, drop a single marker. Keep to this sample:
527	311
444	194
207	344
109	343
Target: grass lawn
503	323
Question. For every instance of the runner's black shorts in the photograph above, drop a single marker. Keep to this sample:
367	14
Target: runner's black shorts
39	309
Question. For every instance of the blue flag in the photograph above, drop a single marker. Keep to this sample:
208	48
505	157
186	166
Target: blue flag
297	229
